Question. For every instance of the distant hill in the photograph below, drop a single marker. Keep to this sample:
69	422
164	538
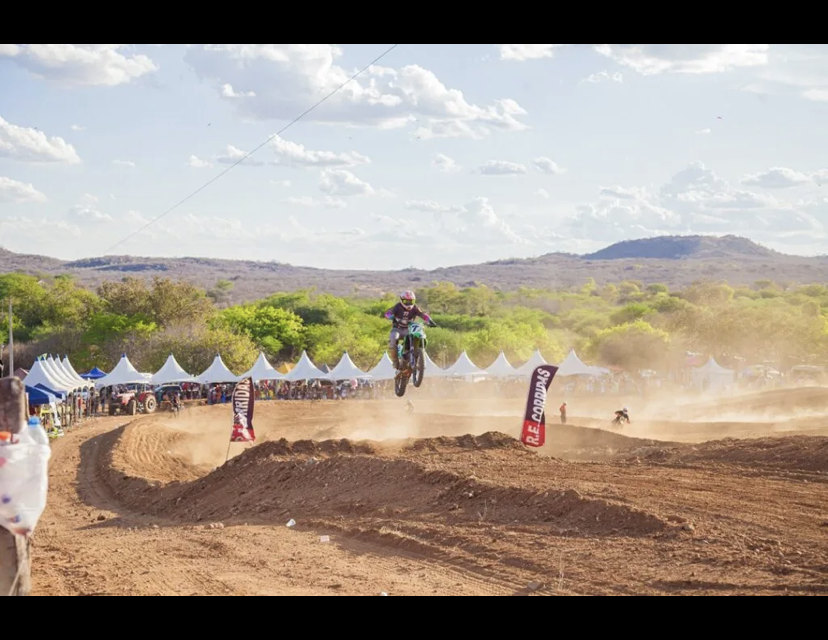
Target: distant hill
686	247
676	261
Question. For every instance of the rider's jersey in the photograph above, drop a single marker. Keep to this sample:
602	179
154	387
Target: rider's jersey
402	317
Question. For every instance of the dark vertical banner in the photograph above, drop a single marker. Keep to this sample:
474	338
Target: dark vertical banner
534	421
243	401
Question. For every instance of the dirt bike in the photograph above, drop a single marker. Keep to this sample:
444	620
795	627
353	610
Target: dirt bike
411	354
620	421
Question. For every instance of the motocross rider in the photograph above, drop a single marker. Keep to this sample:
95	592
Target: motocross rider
403	314
622	416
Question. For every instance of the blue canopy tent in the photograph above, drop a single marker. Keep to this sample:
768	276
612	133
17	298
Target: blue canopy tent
95	374
38	397
60	395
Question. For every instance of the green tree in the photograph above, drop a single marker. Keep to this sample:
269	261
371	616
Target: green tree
178	302
221	292
275	331
630	313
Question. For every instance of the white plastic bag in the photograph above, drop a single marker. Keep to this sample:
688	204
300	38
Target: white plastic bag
24	479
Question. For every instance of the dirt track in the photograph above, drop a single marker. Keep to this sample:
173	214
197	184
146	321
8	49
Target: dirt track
444	502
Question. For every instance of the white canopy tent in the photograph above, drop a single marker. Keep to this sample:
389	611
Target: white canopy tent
71	371
171	373
432	370
537	360
713	376
263	370
218	373
502	368
574	366
305	370
124	373
75	379
384	370
39	375
465	368
55	371
346	370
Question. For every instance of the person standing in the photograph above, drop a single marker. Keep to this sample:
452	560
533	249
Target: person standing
563	413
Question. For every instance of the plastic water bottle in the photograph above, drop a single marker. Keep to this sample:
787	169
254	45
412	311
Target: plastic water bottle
37	432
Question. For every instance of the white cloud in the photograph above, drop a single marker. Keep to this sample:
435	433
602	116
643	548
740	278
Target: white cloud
650	59
704	132
545	165
80	64
288	78
20	230
17	192
232	155
197	163
281	183
781	178
501	168
339	182
218	227
604	76
31	145
429	206
696	200
445	164
77	127
293	154
227	91
623	193
475	224
399	231
523	52
480	224
86	211
798	69
136	218
817	95
543	193
84	215
124	163
326	202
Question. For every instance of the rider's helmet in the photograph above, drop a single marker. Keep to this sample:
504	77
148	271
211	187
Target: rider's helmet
408	299
626	410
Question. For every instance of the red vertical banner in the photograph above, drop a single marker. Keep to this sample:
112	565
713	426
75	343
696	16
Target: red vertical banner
534	420
243	402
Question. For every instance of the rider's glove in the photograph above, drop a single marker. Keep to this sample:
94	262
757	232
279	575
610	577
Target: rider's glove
432	324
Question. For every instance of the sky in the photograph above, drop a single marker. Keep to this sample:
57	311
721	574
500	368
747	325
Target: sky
437	155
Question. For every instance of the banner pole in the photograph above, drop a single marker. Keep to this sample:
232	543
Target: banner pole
230	444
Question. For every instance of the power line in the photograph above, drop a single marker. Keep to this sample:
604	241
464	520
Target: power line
262	145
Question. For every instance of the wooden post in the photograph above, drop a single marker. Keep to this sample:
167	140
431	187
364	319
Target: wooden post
15	564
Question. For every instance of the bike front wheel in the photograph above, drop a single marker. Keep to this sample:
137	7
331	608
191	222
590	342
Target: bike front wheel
419	367
401	384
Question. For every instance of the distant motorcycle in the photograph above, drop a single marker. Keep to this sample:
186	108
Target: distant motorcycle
621	417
